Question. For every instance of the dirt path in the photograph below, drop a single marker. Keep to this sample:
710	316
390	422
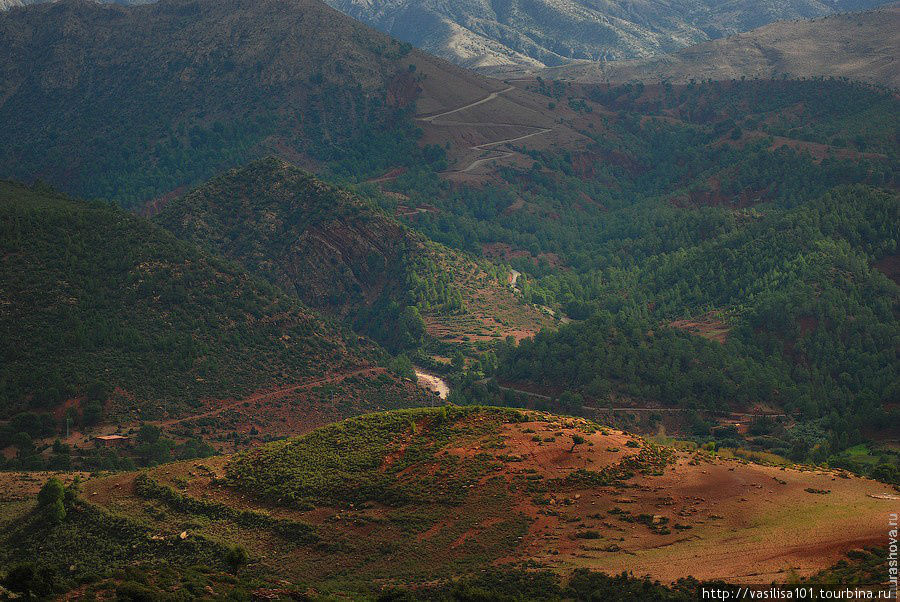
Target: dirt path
267	395
715	412
647	409
502	154
487	98
514	278
526	393
487	146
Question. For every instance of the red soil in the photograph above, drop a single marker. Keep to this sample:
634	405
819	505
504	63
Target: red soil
710	327
704	516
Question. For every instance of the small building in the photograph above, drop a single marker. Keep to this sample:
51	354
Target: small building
111	440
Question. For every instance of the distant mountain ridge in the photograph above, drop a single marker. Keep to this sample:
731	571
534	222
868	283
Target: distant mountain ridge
483	33
551	33
8	4
861	46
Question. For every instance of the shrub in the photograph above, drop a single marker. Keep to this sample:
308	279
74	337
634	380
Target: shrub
50	501
235	558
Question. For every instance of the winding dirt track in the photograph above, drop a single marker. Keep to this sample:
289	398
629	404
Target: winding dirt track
267	395
433	120
488	98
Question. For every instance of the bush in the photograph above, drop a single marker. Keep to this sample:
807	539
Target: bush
235	558
32	581
50	501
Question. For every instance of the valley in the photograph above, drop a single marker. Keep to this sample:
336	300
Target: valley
597	302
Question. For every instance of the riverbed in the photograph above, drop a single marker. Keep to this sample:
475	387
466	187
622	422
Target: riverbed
432	382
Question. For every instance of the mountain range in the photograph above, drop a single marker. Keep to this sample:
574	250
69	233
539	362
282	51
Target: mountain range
860	46
550	33
292	230
483	33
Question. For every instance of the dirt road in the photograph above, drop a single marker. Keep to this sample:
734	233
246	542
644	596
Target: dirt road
433	382
488	98
267	395
432	119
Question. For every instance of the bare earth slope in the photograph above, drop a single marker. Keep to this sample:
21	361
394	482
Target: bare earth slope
862	46
420	495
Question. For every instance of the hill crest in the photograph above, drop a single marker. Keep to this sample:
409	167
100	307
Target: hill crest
460	488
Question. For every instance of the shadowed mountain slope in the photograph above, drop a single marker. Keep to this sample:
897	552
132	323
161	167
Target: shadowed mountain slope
95	298
130	103
341	254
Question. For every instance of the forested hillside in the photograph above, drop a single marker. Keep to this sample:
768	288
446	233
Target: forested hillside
376	327
131	103
811	325
97	303
722	242
338	252
666	165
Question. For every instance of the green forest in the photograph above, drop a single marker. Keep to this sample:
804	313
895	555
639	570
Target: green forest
294	310
97	300
758	209
685	210
337	252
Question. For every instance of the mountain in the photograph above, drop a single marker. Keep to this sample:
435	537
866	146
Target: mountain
132	103
480	33
860	46
8	4
341	254
98	304
414	505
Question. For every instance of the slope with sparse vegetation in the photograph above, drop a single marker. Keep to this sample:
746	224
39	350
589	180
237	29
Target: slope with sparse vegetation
426	499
